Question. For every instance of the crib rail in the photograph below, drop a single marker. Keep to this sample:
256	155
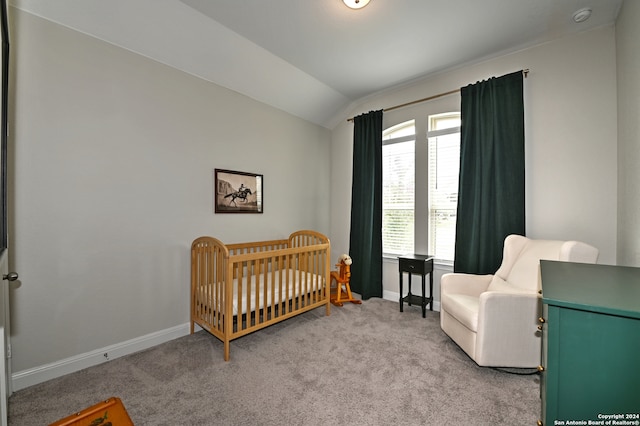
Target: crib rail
240	288
256	247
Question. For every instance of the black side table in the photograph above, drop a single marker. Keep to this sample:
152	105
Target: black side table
422	265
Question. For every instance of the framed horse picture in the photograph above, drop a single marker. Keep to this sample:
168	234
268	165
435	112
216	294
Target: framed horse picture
237	192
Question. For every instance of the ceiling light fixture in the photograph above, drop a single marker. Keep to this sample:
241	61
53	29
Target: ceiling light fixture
356	4
582	15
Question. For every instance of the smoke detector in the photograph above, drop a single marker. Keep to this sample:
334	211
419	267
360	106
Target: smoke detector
582	15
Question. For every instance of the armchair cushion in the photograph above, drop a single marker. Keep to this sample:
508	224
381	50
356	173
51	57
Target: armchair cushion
524	273
465	309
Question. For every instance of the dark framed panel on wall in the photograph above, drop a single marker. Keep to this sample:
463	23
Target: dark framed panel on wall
237	192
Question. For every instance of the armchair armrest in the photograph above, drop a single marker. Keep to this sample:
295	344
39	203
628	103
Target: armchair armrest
469	284
507	324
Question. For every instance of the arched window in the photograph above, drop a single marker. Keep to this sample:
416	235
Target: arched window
398	188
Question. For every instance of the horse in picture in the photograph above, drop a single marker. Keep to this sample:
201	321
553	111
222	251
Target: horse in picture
241	193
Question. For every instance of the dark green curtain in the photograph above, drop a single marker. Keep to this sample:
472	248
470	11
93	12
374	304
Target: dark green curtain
491	203
365	239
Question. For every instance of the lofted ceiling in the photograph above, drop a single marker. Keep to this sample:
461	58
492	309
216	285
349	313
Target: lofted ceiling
315	58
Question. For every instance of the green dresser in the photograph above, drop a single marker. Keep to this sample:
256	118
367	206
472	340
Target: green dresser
590	344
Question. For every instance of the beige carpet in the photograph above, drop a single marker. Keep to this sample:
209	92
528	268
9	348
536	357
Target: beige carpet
365	364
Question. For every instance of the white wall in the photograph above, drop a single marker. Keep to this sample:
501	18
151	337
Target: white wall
571	155
628	67
111	180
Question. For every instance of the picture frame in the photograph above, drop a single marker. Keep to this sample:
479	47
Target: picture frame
237	192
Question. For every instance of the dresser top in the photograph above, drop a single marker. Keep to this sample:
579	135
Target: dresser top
605	289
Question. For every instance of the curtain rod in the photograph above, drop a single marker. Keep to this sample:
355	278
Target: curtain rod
450	92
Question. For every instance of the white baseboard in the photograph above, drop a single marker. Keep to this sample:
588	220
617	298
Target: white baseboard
395	297
33	376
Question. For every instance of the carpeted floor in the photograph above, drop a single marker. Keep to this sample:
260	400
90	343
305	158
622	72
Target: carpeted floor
364	364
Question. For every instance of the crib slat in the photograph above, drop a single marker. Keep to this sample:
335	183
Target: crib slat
285	284
272	286
268	290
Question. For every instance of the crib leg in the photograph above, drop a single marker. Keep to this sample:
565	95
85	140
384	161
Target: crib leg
227	350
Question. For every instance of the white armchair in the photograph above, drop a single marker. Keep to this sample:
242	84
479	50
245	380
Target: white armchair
494	318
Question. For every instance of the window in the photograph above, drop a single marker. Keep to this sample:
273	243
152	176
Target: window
434	197
398	188
444	166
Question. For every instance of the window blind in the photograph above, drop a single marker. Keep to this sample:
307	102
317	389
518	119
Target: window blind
398	197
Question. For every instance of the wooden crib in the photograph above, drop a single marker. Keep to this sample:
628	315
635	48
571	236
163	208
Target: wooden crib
237	289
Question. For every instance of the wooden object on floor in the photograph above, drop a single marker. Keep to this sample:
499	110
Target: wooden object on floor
341	290
109	412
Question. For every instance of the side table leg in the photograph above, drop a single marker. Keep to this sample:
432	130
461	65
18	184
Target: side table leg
431	289
424	299
401	301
